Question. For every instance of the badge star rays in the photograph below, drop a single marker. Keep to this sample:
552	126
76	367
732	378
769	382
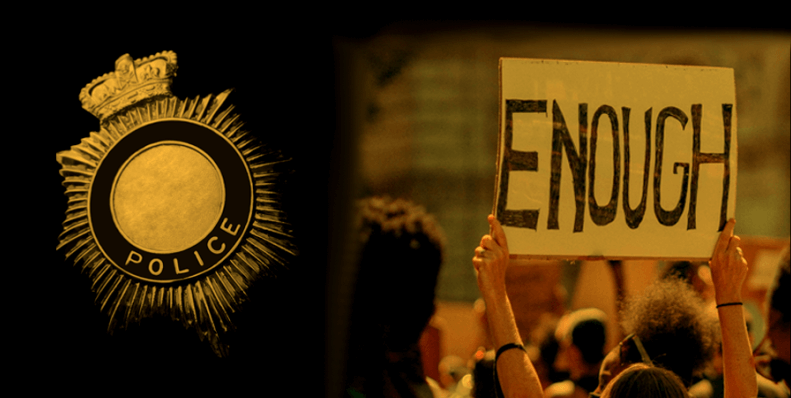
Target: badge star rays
207	302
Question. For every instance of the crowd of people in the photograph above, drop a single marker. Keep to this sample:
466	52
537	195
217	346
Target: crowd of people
670	344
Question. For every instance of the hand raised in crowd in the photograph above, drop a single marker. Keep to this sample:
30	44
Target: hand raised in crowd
728	266
728	272
491	260
515	372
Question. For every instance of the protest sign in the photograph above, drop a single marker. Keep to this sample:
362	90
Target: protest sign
614	160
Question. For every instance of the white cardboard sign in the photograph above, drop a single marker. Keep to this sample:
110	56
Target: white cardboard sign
614	161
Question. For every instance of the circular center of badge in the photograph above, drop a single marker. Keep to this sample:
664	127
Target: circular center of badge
170	201
167	197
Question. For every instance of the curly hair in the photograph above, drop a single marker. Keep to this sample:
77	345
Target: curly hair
679	269
400	257
674	327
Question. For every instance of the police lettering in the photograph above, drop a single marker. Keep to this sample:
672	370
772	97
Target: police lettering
189	261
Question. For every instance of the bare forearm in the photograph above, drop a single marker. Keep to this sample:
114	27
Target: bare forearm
516	373
738	364
728	271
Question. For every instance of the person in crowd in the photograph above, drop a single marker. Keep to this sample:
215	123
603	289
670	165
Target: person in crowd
666	327
775	361
514	370
401	250
484	385
452	370
713	386
582	335
728	269
641	380
696	274
542	337
728	272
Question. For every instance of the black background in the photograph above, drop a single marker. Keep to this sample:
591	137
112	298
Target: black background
284	71
284	92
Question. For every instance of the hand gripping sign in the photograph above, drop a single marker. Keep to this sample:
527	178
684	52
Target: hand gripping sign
172	207
611	160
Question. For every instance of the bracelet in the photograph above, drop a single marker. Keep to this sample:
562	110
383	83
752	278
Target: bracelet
507	347
727	304
501	350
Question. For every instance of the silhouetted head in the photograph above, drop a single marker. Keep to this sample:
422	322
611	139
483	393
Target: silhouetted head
645	381
779	330
581	337
588	332
401	249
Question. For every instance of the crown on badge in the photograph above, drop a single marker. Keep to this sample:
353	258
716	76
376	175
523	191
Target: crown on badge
132	81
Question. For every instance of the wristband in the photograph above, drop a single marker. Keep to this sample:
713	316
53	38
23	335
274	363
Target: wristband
501	350
727	304
507	347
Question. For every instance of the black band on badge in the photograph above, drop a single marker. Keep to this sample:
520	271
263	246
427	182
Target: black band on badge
210	250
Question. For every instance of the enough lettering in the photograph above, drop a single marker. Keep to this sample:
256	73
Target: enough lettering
671	217
577	162
517	161
583	169
603	215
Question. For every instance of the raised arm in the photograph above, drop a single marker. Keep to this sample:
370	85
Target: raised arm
517	376
728	271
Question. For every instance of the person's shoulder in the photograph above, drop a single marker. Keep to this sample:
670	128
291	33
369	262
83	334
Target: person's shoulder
560	389
768	389
702	389
436	390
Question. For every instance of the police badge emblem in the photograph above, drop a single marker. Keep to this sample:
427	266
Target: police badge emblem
173	208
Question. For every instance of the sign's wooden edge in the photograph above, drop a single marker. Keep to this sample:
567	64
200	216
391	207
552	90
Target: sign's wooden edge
576	61
601	258
752	241
499	135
